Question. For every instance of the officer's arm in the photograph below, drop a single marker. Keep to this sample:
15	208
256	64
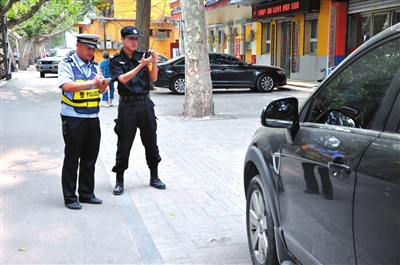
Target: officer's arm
125	78
74	86
154	69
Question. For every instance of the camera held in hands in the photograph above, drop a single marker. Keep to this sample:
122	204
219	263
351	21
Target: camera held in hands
146	53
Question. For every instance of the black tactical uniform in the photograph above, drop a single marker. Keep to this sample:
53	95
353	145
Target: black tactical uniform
135	110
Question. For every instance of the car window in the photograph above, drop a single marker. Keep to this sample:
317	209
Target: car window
180	62
354	97
225	60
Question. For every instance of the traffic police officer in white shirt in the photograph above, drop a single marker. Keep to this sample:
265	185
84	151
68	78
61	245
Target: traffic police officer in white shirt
81	83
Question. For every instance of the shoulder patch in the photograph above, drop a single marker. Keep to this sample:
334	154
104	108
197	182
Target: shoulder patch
68	60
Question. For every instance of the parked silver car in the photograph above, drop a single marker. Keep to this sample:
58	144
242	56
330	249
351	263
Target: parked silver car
49	64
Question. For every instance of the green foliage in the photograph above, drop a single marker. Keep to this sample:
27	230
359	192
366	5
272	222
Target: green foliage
54	15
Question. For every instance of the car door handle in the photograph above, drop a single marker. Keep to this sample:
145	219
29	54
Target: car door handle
276	161
340	168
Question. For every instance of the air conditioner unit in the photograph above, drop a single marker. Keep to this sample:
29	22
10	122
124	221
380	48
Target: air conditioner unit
162	34
115	45
101	45
108	37
108	45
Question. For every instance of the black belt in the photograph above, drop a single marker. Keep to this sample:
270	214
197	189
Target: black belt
134	97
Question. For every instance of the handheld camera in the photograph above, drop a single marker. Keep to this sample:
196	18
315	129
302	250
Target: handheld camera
147	54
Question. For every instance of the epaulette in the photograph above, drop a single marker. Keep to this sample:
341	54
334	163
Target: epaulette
68	60
114	56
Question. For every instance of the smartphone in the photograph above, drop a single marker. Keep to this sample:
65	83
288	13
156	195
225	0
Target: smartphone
108	79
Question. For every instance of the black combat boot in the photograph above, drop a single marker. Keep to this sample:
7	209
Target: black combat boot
119	185
154	180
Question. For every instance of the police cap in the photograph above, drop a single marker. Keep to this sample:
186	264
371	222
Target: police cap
91	40
129	31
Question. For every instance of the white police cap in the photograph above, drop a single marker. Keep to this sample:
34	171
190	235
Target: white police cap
90	40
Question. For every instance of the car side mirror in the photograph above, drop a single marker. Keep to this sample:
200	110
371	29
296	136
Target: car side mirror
281	113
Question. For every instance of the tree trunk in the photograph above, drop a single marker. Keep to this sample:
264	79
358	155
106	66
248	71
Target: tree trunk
26	54
143	22
198	88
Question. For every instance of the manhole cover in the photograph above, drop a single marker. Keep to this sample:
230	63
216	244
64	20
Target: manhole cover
33	166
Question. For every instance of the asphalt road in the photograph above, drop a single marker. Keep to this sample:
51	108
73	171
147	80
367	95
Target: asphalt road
198	219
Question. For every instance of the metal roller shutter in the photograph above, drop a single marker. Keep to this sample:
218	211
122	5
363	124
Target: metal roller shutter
359	6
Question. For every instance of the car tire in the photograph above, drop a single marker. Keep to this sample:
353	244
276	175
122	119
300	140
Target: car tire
266	83
178	85
260	225
42	75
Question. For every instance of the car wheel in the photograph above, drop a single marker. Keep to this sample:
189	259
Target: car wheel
178	85
266	83
42	75
260	225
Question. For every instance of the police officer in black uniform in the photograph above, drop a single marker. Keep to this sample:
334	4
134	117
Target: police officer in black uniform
134	70
81	84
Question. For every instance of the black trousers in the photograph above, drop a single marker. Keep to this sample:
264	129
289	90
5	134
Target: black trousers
131	116
311	181
82	142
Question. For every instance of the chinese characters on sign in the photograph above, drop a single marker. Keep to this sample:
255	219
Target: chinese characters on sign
332	39
278	9
283	8
295	46
273	44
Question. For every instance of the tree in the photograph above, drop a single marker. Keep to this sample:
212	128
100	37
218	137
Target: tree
142	22
42	25
198	86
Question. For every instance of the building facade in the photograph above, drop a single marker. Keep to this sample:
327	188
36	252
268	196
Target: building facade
122	13
301	36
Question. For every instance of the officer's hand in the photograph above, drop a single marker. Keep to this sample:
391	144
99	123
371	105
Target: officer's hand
153	56
97	81
146	61
103	85
103	88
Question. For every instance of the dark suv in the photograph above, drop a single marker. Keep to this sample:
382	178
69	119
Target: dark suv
322	183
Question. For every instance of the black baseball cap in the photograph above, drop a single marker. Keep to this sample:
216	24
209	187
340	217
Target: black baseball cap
130	31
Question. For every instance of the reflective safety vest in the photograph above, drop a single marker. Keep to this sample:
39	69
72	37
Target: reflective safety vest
85	101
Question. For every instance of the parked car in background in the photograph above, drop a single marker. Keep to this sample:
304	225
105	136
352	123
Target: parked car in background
161	58
322	184
49	65
227	71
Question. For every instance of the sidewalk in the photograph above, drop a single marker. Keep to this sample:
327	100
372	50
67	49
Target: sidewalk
199	219
302	83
